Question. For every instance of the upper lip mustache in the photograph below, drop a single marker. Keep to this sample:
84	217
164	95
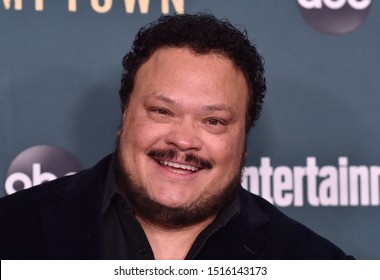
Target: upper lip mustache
175	157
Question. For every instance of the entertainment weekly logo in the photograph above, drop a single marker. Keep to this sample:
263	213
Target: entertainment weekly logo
342	185
334	16
39	164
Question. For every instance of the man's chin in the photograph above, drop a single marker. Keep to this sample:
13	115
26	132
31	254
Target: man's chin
170	214
166	199
172	204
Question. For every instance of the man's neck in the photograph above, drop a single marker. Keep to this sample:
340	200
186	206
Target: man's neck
172	244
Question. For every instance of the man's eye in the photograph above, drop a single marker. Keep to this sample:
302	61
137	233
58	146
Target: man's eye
162	111
214	122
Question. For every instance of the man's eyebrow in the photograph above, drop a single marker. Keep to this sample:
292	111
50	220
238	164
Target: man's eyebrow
217	107
207	108
163	98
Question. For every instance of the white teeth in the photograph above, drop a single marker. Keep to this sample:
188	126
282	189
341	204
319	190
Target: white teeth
177	165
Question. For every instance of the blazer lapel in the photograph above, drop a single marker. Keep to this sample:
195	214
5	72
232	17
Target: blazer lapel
251	219
235	241
72	225
72	228
240	238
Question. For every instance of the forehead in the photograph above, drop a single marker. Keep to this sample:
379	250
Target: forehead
175	57
179	72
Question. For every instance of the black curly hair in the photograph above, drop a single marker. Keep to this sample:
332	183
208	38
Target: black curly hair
202	33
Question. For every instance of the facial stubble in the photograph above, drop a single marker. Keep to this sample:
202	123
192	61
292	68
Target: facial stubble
209	204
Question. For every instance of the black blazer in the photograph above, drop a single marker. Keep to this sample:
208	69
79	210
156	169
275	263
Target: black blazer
61	220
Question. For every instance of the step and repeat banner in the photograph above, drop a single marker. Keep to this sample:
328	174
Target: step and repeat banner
314	153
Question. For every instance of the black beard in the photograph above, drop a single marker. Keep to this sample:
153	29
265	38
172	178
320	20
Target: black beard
173	217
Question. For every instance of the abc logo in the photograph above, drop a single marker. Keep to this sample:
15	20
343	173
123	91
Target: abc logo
39	164
334	16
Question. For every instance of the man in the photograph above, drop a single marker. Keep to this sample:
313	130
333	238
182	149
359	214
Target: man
192	88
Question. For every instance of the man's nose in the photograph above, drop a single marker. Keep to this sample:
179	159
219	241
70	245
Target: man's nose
184	135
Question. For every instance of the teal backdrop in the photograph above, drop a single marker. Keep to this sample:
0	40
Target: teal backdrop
315	151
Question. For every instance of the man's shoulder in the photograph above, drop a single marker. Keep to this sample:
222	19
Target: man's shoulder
25	201
37	223
287	237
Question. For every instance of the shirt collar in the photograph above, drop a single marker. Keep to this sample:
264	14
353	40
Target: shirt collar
111	188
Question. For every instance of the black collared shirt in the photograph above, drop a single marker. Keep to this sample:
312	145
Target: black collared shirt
124	238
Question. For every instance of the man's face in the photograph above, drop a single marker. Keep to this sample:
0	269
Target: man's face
182	138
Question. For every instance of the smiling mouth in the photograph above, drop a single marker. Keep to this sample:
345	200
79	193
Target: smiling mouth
178	167
181	163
